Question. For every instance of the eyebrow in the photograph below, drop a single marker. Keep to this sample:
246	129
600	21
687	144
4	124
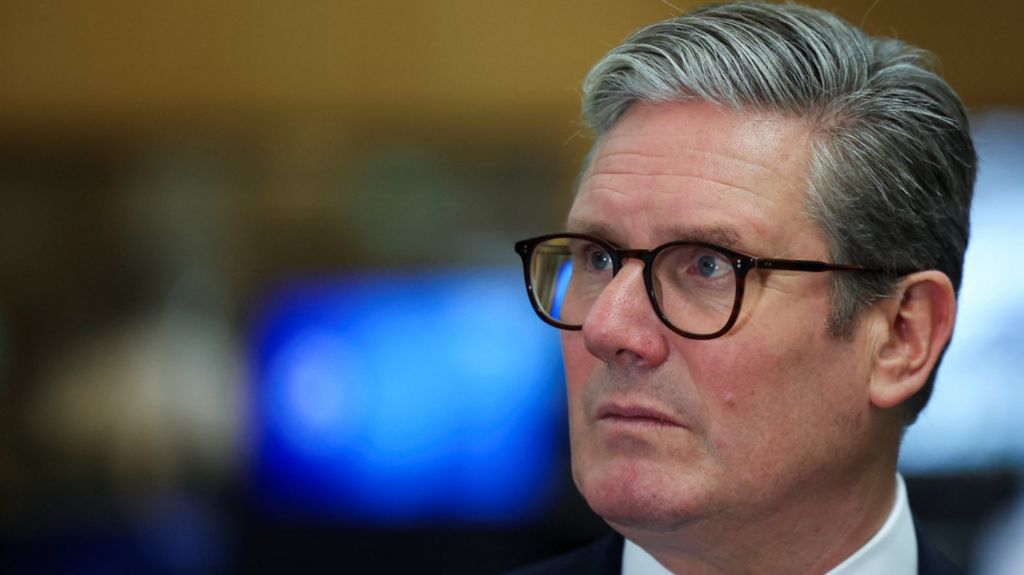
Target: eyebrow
590	228
719	235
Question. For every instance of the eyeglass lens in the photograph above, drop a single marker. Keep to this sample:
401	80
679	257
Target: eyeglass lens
694	285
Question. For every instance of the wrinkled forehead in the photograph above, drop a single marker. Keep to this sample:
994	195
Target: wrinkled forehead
758	128
687	169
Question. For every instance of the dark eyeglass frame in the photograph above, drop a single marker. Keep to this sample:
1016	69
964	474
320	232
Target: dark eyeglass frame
741	264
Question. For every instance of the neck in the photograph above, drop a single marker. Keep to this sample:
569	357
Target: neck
802	535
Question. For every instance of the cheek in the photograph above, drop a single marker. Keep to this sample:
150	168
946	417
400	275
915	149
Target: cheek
761	401
728	382
579	364
578	361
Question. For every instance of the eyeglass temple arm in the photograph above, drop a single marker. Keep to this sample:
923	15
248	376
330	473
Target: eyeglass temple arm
815	266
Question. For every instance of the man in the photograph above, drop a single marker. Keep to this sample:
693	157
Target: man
758	280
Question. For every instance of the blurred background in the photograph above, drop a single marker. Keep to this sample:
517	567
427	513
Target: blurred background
260	312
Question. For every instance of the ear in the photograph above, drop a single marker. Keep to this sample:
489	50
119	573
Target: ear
920	316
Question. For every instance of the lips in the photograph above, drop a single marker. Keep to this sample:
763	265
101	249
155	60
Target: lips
635	414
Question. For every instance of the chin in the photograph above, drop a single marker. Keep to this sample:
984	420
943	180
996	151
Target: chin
640	495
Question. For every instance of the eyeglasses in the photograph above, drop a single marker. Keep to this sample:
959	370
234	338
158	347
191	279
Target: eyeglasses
695	287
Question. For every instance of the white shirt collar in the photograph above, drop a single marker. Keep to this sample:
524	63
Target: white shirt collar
636	561
893	550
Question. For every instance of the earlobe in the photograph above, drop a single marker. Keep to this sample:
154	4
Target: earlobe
919	319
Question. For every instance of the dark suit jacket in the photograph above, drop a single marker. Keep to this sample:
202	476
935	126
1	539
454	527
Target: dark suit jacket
604	557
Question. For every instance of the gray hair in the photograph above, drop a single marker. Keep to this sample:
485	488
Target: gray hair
892	163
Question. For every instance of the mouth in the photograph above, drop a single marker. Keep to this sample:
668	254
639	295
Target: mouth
636	415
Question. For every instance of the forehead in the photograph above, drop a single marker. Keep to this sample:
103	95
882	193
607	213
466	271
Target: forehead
692	171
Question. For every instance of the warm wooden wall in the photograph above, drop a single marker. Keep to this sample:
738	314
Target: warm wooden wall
110	62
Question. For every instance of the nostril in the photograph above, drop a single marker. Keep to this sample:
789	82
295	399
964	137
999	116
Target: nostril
626	356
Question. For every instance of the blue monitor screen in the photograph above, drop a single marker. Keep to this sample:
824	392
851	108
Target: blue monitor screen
404	398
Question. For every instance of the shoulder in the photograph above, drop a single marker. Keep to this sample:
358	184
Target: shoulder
602	557
931	561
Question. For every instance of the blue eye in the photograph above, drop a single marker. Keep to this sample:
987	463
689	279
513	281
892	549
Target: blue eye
599	259
707	266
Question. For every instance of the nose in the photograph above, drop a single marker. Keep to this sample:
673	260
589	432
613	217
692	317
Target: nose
621	327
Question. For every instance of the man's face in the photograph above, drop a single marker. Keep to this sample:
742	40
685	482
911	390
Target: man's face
666	430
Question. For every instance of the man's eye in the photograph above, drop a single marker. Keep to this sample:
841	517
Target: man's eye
598	259
710	266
